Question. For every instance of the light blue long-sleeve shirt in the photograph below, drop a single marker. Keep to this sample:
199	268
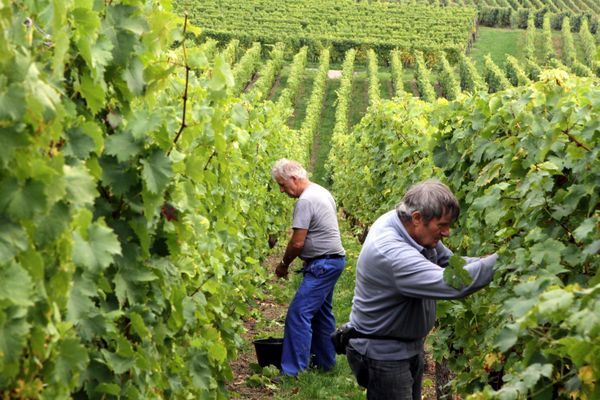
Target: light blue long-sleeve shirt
397	285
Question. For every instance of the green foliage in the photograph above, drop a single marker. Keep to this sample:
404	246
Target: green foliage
588	43
245	68
524	165
455	274
494	76
337	25
315	104
568	45
423	78
136	203
340	129
530	35
470	79
515	74
450	85
374	90
397	75
548	52
294	79
373	158
267	74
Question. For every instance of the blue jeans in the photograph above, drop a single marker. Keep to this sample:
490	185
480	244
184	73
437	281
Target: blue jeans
387	380
310	321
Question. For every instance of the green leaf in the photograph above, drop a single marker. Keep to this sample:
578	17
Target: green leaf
81	187
123	146
142	123
534	372
507	337
12	138
86	23
548	251
71	361
118	176
585	228
12	102
26	200
79	145
138	325
222	77
14	330
593	248
576	349
239	114
134	76
53	224
98	251
13	240
101	56
93	93
156	171
217	352
80	304
198	366
15	285
455	274
555	300
43	97
108	388
117	363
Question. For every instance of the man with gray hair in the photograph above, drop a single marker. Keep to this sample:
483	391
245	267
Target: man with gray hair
399	277
316	240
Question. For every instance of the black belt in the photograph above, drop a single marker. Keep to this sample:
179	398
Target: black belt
324	257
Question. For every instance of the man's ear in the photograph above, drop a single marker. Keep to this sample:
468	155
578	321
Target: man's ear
417	218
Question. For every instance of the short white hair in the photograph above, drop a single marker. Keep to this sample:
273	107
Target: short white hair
285	169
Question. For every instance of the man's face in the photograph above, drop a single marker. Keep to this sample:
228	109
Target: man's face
288	186
430	233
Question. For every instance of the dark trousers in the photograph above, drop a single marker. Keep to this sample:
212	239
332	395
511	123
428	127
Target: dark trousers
387	380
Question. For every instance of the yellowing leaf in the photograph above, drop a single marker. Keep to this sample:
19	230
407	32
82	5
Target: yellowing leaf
586	374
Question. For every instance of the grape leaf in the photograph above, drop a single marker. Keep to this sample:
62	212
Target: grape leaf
123	146
15	285
455	274
81	186
98	251
156	171
71	361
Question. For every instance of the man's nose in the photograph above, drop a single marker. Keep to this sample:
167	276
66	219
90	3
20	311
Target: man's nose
445	232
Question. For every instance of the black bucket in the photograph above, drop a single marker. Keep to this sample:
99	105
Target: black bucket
268	351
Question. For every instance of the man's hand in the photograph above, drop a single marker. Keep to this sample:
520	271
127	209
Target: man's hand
282	270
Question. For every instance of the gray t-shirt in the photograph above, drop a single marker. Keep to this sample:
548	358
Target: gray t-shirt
315	210
397	284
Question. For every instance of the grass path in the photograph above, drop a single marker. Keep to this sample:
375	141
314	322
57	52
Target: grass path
498	43
322	138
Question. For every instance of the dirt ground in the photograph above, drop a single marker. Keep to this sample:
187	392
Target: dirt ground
270	311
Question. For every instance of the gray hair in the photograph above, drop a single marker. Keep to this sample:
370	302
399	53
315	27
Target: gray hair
431	198
285	169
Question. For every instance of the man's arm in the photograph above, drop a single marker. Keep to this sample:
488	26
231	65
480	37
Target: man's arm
415	276
293	250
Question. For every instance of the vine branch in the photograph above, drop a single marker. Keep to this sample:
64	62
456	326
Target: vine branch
209	159
574	140
187	82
